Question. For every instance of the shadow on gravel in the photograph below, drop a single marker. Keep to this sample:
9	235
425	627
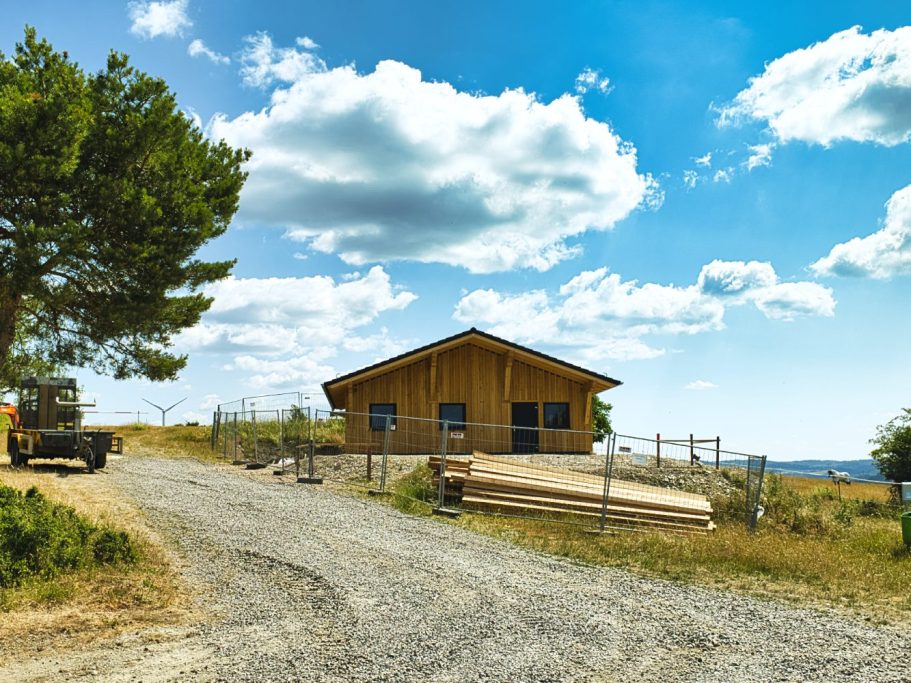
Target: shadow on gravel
59	469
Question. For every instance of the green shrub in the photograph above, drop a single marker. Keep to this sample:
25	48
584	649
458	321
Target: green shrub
41	539
414	492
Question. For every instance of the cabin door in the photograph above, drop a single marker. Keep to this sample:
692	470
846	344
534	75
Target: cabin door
524	427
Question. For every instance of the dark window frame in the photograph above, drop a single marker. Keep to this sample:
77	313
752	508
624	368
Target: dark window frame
557	403
378	420
453	426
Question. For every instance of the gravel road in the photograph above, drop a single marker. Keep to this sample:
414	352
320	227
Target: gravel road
308	584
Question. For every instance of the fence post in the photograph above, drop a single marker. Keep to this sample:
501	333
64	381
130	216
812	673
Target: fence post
692	453
441	509
754	513
717	452
281	436
385	453
608	471
224	448
255	440
658	450
214	428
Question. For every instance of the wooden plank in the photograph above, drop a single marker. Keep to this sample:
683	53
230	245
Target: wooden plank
570	479
514	483
570	475
502	495
543	508
618	488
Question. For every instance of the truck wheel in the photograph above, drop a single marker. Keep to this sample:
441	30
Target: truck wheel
13	449
101	459
88	455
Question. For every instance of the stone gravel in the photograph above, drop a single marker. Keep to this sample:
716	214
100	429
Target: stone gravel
308	583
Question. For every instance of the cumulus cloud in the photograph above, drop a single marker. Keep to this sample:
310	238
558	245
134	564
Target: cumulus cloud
597	315
701	385
591	79
263	64
851	86
287	373
705	160
162	18
883	254
385	165
197	48
265	324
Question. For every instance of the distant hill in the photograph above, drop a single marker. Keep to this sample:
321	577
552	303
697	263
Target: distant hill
860	469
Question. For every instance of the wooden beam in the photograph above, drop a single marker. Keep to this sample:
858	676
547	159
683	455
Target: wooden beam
507	377
433	378
350	405
589	395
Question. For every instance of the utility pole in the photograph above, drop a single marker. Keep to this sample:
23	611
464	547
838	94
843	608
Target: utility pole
164	411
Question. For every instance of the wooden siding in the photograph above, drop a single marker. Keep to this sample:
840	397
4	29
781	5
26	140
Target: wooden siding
487	383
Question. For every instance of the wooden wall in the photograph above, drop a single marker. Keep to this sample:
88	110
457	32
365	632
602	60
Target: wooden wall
487	382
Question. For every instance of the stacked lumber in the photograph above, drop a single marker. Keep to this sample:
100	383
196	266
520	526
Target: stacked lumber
507	485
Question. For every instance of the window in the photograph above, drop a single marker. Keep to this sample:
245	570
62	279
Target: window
556	416
378	413
454	413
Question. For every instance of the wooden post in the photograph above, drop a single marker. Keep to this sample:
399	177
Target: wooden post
370	463
658	449
717	452
692	453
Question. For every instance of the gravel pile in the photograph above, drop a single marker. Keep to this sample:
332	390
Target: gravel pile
309	584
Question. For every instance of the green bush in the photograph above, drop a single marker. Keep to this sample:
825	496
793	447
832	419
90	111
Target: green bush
41	539
415	492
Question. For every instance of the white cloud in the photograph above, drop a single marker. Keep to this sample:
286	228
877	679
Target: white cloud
723	175
705	160
851	86
596	315
591	79
760	155
266	324
385	166
690	178
885	253
288	373
198	48
263	63
307	43
734	278
701	385
162	18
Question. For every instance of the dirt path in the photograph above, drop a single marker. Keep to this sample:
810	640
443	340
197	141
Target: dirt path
306	584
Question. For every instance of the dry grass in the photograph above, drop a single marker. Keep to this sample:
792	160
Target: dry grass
167	442
84	606
853	491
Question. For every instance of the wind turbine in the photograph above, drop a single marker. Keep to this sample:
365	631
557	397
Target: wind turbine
165	410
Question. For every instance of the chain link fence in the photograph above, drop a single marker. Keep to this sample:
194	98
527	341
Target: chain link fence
560	475
258	438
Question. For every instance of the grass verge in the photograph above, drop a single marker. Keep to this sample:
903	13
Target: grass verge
810	548
80	596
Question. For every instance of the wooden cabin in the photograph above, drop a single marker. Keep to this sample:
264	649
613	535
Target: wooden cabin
494	396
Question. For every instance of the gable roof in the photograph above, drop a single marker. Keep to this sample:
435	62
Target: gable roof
601	382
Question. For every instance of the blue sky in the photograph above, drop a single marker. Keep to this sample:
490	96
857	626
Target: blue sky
707	202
